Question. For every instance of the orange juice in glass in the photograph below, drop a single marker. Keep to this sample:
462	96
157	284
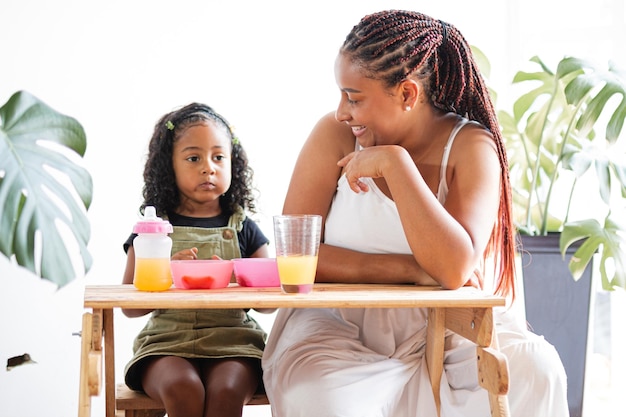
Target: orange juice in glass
297	244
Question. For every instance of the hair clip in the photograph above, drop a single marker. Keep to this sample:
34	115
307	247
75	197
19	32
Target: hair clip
232	133
169	125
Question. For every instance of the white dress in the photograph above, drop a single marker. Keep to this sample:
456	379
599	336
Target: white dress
371	362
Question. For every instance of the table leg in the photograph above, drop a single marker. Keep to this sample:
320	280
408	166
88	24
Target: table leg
109	362
94	382
84	398
435	338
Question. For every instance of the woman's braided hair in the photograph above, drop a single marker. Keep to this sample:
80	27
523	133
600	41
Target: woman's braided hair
394	45
160	189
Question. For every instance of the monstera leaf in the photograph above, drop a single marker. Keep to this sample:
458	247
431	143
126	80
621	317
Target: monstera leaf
44	193
551	135
595	236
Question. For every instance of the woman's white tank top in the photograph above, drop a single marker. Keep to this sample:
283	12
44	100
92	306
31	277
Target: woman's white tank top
369	221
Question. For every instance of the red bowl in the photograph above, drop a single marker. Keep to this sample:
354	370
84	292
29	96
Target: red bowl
201	273
256	272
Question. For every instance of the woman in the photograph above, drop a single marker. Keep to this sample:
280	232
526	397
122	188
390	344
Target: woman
410	175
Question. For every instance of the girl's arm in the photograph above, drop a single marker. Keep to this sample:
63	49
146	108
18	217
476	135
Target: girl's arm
262	252
311	190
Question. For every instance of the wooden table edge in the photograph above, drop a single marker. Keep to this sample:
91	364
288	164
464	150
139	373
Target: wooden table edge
322	296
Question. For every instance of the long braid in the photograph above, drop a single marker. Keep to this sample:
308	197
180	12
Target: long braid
394	45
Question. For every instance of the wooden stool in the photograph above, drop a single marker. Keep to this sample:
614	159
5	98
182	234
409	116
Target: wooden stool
129	403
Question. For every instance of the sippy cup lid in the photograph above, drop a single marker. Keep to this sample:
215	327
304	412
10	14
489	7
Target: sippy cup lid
150	223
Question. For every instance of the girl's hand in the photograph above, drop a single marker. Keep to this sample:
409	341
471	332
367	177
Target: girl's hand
186	255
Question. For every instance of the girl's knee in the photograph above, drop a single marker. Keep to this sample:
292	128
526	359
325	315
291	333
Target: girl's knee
183	388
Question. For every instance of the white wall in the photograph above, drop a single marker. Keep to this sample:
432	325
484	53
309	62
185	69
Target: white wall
117	66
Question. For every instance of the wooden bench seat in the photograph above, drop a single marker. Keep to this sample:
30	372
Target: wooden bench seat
129	403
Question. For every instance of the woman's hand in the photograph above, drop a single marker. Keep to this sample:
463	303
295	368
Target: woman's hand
476	280
370	162
353	179
186	255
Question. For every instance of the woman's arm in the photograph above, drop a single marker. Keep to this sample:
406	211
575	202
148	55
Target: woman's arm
311	190
447	241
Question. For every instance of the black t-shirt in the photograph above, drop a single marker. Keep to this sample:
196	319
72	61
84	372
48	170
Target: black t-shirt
250	237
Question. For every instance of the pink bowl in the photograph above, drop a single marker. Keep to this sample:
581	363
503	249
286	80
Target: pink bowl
256	272
201	273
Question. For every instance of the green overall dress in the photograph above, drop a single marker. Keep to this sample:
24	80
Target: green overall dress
210	333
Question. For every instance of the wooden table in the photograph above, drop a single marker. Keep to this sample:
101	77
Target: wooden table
465	311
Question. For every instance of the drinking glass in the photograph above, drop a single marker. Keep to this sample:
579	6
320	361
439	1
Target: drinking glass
297	243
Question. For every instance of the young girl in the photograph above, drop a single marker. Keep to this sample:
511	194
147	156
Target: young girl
199	362
411	177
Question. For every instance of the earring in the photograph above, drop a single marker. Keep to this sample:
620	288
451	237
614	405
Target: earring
407	108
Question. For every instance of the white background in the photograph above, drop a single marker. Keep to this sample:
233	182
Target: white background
117	66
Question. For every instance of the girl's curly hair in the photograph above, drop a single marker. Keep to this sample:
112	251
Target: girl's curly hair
160	188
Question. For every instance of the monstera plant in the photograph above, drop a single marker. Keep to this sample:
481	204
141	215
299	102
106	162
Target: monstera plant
567	125
44	192
565	144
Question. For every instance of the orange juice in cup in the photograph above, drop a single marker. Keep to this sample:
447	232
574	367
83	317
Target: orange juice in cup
152	274
297	273
297	244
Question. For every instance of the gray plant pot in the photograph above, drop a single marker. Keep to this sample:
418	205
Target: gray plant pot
557	307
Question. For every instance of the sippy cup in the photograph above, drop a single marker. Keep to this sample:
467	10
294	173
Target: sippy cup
152	252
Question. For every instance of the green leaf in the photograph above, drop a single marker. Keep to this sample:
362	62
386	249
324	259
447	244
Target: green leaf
587	230
481	60
604	179
571	65
616	122
577	160
43	192
614	248
607	239
594	89
619	168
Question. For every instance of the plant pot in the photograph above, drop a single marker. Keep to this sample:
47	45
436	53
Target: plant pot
558	307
